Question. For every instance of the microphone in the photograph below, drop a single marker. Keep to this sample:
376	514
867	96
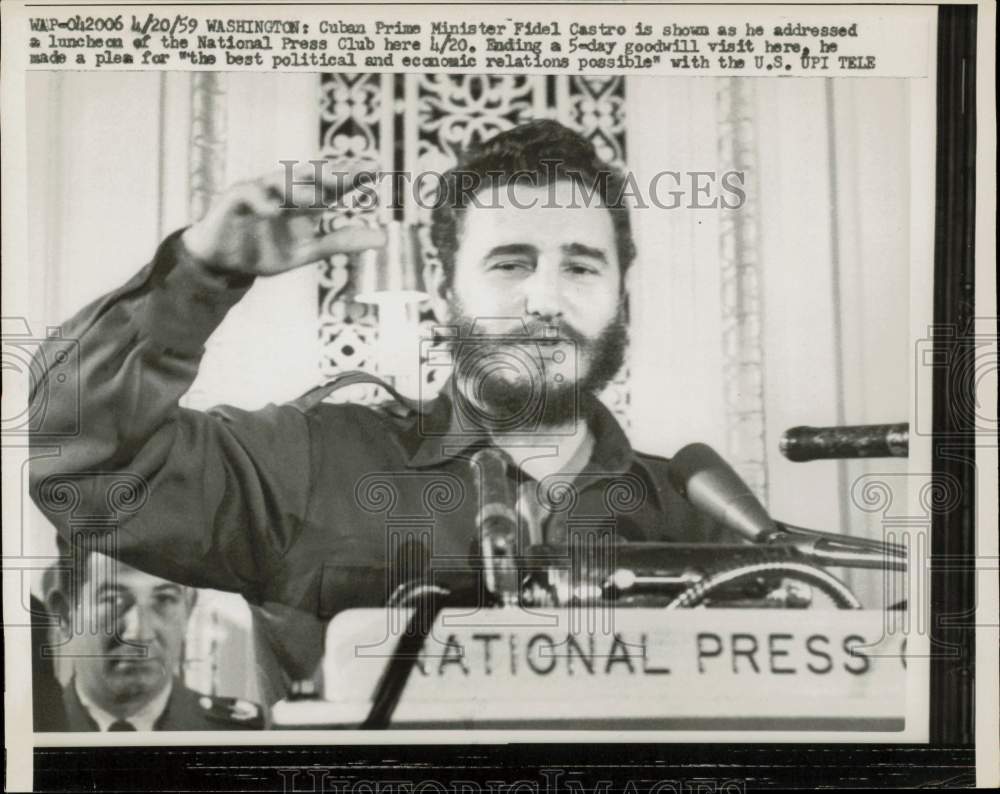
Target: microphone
801	444
712	487
496	523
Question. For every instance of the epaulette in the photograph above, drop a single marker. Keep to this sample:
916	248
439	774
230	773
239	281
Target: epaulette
319	393
232	713
652	458
657	469
657	465
395	410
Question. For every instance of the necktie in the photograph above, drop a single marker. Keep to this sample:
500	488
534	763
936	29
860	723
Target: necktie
121	725
534	513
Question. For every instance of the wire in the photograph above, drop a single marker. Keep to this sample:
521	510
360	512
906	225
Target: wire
427	603
810	574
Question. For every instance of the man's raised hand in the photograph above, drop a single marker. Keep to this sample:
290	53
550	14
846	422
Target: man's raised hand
269	225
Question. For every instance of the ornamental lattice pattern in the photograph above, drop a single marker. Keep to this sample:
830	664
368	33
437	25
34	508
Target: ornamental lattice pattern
741	300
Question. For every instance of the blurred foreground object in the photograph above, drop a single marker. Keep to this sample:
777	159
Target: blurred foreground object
391	279
801	444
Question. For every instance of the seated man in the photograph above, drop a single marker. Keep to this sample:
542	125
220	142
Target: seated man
293	506
123	633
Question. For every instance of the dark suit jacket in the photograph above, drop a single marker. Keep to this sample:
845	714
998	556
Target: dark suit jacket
46	693
186	710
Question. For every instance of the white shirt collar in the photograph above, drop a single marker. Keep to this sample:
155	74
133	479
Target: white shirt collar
143	720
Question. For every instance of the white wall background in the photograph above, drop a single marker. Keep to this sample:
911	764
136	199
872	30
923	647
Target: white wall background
108	157
821	210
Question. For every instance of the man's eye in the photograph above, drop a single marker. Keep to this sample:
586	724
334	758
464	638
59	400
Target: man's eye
167	599
111	601
509	266
581	269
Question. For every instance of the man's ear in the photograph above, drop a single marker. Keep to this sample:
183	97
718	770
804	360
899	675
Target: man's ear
628	283
628	289
59	605
438	289
190	598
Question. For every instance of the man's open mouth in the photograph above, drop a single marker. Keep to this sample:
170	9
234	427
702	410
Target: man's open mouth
133	663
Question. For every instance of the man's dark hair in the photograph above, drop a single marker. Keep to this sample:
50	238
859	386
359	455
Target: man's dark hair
68	578
59	577
536	153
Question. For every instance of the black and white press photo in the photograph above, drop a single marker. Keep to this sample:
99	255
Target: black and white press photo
480	374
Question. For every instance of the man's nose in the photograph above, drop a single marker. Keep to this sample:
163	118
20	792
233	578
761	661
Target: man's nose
136	625
542	296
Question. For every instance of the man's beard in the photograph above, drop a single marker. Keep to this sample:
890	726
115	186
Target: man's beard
510	385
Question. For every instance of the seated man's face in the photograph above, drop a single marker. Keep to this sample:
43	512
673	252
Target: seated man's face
537	260
128	632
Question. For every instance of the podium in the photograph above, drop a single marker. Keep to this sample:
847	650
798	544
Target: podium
617	669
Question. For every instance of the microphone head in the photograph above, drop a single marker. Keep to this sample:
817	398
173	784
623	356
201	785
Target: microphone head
713	488
490	460
496	501
489	472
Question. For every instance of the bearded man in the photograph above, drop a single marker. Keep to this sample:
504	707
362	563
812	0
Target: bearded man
291	506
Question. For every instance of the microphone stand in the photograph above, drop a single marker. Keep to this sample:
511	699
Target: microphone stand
829	548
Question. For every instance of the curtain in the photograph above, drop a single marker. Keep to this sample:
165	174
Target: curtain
791	310
106	186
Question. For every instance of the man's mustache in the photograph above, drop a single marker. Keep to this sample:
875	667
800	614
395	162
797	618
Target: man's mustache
535	332
133	651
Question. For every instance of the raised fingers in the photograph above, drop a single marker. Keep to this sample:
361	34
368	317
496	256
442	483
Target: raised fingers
342	241
312	184
251	198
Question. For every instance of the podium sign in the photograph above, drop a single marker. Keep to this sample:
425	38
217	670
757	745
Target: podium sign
718	669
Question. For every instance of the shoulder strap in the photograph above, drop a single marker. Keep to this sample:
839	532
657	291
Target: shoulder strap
354	377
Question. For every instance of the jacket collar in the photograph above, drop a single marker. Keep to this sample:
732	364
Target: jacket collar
440	436
145	719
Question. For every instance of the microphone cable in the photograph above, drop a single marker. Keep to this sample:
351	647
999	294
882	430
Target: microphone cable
428	601
804	572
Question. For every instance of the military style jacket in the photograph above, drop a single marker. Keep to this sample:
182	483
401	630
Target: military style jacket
298	507
186	710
